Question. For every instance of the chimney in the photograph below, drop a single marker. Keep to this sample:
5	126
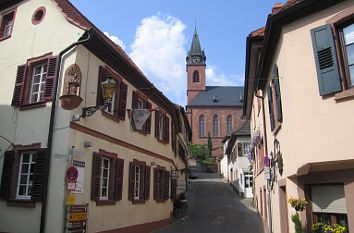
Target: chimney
277	6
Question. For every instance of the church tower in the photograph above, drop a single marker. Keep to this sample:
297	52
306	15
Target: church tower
195	68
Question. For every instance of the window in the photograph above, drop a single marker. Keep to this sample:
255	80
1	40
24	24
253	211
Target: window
215	126
274	101
139	182
35	81
38	15
201	126
245	148
117	107
162	127
140	101
229	124
107	177
161	184
195	76
7	24
348	35
23	174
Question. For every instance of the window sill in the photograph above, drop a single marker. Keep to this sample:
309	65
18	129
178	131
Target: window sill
137	202
21	203
32	105
160	201
109	116
5	37
105	202
346	94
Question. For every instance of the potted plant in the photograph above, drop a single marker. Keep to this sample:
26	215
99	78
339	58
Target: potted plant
324	228
298	204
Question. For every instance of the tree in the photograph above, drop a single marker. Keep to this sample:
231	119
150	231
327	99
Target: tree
209	158
198	152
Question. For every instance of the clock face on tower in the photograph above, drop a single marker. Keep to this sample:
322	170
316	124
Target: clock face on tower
195	59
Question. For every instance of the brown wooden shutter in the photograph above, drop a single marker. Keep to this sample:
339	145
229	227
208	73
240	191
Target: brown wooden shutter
173	138
148	121
40	174
6	178
134	100
117	100
239	149
112	183
166	184
101	75
147	182
122	100
96	174
166	133
51	78
119	179
19	85
131	181
156	185
173	189
157	114
142	183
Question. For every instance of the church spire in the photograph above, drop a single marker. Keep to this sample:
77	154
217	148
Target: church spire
196	54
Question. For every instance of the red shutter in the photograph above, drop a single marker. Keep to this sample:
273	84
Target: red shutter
142	183
96	174
19	86
51	78
166	184
239	149
157	114
156	185
122	100
148	121
131	181
166	133
112	183
5	188
119	179
147	182
40	174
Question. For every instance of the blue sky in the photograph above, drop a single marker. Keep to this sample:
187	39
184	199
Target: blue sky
157	35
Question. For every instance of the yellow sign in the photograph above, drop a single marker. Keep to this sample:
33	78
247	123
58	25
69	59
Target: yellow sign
70	200
77	216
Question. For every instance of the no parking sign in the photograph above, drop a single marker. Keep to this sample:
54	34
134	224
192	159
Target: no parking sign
72	174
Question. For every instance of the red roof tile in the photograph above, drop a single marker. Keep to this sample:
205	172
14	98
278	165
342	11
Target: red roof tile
258	32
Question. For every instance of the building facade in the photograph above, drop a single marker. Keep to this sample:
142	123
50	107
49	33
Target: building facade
71	157
213	110
299	98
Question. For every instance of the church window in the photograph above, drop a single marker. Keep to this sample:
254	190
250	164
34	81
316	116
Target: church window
201	126
196	76
229	124
215	126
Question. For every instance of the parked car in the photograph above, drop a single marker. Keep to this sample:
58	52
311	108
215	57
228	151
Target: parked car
193	174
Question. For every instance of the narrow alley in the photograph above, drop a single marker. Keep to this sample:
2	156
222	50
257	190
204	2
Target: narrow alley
213	207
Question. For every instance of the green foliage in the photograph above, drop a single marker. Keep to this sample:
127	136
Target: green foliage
324	228
198	152
209	159
297	222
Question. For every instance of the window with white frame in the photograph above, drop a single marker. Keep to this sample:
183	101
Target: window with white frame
25	176
137	182
7	24
38	83
105	171
245	148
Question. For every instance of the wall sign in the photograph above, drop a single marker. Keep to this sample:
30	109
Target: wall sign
79	186
71	174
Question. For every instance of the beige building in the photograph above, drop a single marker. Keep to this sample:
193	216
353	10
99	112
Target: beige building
301	113
70	157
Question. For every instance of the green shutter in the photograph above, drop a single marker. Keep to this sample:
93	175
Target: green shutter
326	60
277	93
270	106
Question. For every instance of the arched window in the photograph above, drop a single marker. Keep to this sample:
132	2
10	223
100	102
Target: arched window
201	126
215	126
229	124
196	76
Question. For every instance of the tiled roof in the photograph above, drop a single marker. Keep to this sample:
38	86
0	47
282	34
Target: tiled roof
243	129
215	96
258	32
278	7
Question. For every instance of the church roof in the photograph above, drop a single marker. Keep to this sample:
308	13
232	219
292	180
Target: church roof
196	50
219	96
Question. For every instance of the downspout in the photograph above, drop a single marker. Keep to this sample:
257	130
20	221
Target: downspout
266	152
51	129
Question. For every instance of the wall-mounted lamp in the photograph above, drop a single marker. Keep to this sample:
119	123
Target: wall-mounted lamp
108	88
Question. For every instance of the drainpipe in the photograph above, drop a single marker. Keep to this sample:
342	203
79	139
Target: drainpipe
51	130
266	152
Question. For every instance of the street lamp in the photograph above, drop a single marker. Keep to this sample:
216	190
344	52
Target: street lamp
108	88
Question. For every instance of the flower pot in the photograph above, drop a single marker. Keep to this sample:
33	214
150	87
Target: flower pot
299	208
69	102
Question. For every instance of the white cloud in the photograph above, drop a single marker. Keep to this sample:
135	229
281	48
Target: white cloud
216	78
158	49
116	40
